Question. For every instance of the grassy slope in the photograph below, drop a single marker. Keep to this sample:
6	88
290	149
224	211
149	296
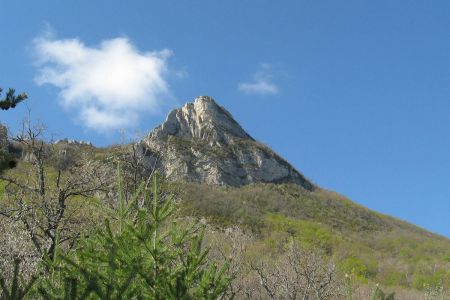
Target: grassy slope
371	246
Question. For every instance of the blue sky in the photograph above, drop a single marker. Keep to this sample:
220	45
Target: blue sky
355	94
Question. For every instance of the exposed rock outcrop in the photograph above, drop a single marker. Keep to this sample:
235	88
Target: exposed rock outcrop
202	142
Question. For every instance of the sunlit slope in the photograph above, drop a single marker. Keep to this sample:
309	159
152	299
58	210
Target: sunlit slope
370	245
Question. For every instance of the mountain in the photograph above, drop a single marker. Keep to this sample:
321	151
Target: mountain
219	174
201	142
229	179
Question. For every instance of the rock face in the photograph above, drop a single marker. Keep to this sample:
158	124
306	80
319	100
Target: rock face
201	142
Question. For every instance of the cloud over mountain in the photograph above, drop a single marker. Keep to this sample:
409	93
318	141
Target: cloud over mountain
261	84
108	86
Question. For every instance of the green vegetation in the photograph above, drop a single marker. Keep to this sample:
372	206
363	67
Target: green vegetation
7	160
136	241
309	234
369	246
140	252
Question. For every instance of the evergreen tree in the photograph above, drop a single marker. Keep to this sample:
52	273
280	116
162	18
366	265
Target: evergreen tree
140	253
11	100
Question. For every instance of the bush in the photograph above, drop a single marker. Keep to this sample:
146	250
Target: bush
396	279
309	234
436	279
361	270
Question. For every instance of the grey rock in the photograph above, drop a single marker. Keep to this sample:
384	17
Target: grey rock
202	142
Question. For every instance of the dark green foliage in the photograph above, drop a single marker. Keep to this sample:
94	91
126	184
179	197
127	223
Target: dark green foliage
11	100
18	289
7	160
139	253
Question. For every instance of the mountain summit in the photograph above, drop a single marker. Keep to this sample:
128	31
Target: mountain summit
201	142
203	119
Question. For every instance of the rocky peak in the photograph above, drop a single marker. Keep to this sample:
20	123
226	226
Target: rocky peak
201	142
202	119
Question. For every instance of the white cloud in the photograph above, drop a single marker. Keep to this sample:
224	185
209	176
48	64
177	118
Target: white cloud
109	86
262	82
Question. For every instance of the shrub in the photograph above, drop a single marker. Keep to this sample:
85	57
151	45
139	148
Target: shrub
308	233
361	270
436	279
395	279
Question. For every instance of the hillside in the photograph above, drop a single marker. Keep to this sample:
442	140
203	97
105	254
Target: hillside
227	179
372	246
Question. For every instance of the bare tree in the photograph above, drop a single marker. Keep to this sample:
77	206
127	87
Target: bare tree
15	244
138	165
137	162
39	200
298	274
294	274
230	245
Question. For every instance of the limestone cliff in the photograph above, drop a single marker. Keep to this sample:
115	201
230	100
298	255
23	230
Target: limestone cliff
202	142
